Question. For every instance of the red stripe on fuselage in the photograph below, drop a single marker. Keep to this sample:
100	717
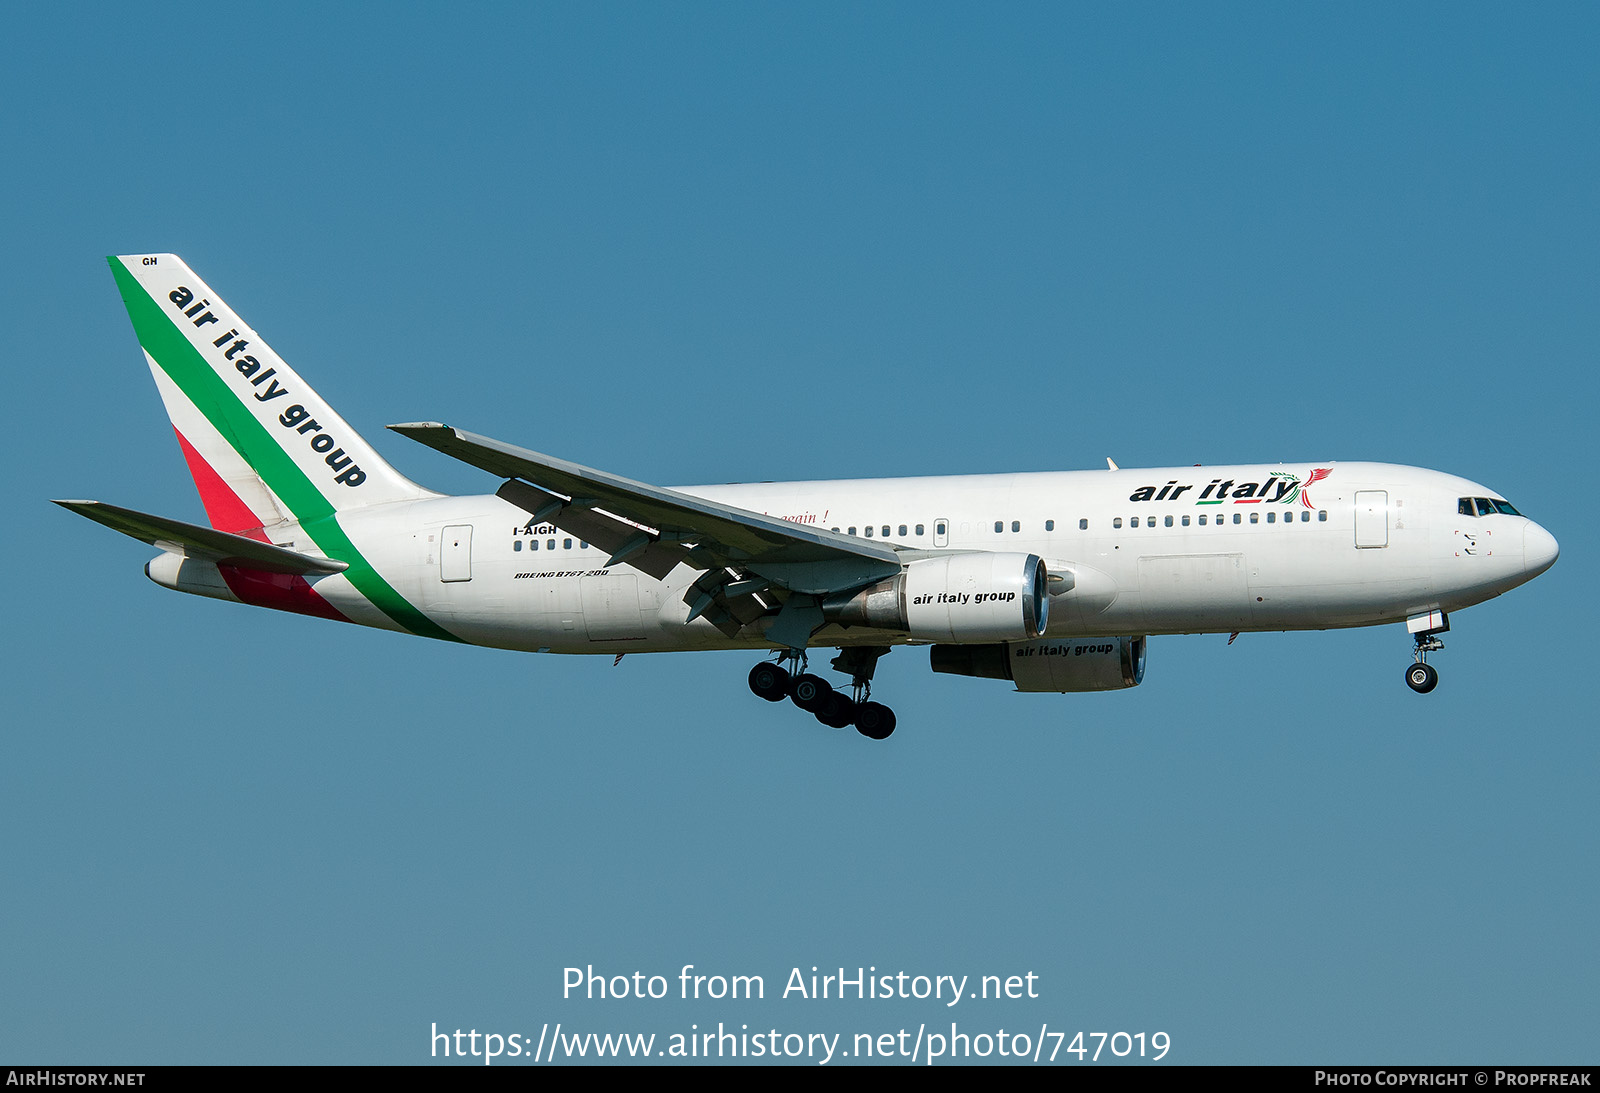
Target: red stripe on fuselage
225	509
279	591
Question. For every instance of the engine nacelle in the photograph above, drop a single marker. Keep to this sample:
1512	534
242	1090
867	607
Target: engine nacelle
1050	664
977	597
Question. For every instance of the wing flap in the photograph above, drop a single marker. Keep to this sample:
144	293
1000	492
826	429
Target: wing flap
195	541
609	534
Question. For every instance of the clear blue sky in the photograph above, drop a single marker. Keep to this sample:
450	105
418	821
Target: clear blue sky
701	243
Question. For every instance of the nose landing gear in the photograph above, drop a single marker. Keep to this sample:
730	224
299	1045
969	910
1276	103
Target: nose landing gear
1421	676
816	696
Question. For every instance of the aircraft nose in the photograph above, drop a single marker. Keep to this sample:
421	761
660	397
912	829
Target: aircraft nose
1539	549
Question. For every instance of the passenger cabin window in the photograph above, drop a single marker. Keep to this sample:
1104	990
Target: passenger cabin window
1237	518
902	531
1117	522
1255	517
517	545
1169	521
1083	524
1322	516
939	528
852	531
999	525
1185	521
1016	525
919	529
1049	525
868	530
1272	518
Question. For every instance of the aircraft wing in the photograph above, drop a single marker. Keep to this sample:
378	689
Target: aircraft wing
651	527
201	542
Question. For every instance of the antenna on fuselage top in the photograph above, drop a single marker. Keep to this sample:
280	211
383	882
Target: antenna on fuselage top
1110	465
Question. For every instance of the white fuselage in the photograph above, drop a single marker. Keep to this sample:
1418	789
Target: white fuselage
1149	551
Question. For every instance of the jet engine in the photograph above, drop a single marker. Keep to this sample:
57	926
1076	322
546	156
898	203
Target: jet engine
976	597
1050	664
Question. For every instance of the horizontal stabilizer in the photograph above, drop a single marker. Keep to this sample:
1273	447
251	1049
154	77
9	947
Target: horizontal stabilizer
195	541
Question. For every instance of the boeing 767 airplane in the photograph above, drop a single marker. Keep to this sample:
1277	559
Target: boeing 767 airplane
1051	580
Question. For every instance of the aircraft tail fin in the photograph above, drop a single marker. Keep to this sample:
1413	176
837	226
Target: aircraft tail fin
263	447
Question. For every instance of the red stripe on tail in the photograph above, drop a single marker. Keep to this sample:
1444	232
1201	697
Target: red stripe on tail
227	512
224	508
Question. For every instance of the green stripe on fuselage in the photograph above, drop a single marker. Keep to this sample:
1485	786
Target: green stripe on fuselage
185	366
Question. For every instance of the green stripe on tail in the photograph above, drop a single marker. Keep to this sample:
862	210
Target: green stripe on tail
221	406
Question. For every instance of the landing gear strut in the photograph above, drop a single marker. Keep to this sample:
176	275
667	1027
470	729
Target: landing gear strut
1421	676
816	696
873	720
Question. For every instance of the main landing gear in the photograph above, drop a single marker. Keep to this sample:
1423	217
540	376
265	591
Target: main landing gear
816	696
1421	676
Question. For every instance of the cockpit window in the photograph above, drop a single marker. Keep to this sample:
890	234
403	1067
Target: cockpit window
1484	506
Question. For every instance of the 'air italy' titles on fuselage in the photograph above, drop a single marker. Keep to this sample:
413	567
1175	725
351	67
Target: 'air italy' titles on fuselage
1280	487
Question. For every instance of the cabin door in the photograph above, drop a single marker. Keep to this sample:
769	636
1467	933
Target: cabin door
1372	518
455	553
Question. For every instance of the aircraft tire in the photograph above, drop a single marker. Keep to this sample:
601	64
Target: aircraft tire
838	712
770	681
810	692
874	720
1422	678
